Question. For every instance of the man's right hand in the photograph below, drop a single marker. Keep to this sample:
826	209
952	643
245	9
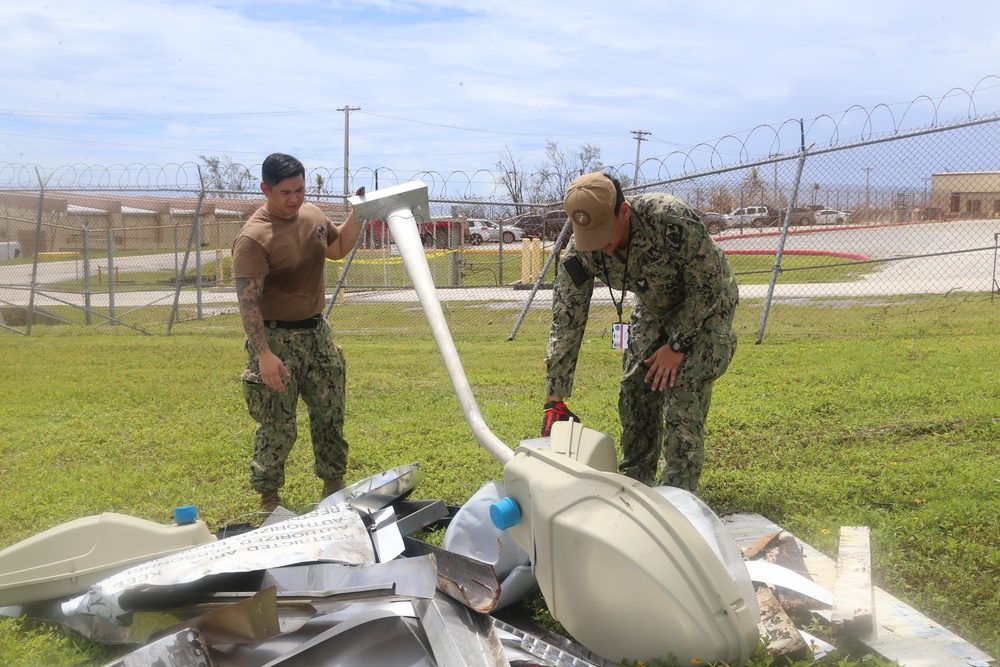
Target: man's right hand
555	411
271	370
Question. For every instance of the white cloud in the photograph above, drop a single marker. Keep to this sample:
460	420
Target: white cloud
167	81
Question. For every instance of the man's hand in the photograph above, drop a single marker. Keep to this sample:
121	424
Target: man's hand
664	366
555	411
272	369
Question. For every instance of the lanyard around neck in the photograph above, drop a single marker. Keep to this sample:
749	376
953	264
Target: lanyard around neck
607	276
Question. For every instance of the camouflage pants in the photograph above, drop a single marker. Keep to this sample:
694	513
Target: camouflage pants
318	375
676	415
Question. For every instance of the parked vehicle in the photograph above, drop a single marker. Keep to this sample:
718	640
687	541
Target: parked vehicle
489	231
830	216
802	215
766	216
441	233
545	227
714	222
753	216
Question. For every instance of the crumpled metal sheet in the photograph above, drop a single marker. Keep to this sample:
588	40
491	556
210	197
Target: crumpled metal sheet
407	577
378	491
458	636
335	533
186	648
521	645
247	620
472	582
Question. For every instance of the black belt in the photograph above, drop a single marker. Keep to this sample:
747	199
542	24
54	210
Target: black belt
308	323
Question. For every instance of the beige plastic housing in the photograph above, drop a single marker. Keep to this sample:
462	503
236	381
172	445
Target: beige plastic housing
624	571
67	559
589	447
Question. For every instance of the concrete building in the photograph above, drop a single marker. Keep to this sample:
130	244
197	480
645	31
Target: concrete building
965	194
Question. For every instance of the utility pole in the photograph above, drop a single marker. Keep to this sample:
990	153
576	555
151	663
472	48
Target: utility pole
638	134
347	138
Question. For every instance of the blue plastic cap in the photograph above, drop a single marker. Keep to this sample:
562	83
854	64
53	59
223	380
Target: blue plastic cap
505	513
185	514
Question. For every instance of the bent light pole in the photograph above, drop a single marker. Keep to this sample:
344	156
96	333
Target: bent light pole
400	206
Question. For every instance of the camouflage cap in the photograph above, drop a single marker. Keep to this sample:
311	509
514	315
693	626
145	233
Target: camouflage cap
590	204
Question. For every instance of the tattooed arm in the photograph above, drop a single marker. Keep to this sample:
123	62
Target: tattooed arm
248	291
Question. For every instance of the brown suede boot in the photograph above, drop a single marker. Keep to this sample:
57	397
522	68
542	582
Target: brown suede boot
331	486
269	501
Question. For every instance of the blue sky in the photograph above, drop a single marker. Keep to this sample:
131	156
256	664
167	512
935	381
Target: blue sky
449	85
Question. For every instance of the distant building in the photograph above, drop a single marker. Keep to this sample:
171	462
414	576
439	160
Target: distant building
964	194
67	221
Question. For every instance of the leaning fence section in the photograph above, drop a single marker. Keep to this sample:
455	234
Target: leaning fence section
884	222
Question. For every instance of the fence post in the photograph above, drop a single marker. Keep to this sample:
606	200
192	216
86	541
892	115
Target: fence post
553	256
776	268
85	238
111	275
342	276
197	256
180	276
34	261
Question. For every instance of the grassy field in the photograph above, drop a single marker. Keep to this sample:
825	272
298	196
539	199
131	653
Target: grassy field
829	422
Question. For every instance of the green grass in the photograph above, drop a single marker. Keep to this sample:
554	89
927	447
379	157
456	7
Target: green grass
799	269
845	415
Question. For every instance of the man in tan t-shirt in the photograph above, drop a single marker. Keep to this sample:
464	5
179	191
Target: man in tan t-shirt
279	260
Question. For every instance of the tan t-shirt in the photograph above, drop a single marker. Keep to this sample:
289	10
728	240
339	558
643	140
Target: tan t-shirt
291	255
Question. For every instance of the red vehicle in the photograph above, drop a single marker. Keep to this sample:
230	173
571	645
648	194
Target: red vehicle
441	233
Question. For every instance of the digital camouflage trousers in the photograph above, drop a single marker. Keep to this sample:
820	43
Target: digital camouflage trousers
318	375
666	428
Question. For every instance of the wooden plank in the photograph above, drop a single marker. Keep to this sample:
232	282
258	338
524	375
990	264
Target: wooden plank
763	544
853	594
901	633
785	640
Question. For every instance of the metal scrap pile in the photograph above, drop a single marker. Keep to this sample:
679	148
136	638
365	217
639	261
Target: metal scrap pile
345	584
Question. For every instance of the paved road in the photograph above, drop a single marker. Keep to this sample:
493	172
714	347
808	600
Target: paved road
925	258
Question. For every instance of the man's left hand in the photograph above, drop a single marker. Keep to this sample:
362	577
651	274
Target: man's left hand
664	367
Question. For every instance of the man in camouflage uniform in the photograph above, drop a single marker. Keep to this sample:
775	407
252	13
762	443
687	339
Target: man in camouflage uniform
680	336
279	260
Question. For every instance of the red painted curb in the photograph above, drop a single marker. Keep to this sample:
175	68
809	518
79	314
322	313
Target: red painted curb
825	253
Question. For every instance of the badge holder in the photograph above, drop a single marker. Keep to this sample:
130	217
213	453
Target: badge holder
619	336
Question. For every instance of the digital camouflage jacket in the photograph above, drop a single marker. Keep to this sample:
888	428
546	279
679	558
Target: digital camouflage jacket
682	282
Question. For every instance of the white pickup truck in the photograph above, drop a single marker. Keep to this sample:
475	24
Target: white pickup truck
10	250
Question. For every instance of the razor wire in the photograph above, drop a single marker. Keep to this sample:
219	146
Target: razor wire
872	214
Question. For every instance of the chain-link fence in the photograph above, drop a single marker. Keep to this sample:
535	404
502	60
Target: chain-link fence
881	221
